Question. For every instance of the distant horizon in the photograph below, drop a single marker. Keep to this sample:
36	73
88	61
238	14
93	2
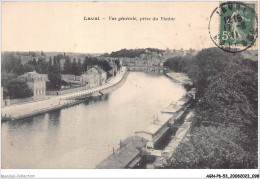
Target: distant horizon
250	49
93	52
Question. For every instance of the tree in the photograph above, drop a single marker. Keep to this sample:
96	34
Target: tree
55	81
76	67
117	64
78	71
50	67
11	62
104	65
33	54
54	75
60	56
105	55
67	66
28	68
73	65
56	65
18	67
89	62
42	66
18	89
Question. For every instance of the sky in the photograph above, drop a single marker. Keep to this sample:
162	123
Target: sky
60	26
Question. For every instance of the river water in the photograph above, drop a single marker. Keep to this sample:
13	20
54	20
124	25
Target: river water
83	135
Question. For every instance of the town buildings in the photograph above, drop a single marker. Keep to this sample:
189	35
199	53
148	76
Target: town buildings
146	62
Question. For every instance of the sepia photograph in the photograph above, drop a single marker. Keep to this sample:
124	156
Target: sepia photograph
129	85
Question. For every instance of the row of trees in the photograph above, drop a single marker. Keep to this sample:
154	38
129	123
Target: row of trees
11	61
77	68
54	74
224	130
70	66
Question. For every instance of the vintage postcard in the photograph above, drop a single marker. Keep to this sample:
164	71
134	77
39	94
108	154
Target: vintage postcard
129	85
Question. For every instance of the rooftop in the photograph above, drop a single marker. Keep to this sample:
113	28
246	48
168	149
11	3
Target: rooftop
159	120
31	75
97	68
67	77
129	150
172	108
184	100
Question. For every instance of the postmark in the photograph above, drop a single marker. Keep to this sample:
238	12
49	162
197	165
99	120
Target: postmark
233	26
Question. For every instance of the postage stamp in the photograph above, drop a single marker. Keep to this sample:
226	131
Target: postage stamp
233	26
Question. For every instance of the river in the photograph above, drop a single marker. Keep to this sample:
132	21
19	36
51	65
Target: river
83	135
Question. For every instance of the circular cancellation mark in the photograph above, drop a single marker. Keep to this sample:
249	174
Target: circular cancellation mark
233	26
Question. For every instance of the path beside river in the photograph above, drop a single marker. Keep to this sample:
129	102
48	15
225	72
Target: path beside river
15	111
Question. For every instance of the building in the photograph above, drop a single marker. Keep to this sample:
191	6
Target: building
98	71
91	80
128	155
69	81
94	77
67	78
157	130
36	82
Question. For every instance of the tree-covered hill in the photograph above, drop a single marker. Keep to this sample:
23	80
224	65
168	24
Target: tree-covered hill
132	53
225	127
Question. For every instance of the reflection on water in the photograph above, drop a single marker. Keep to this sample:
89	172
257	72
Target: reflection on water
83	135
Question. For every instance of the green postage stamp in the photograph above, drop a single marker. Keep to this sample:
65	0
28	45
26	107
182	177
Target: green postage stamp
237	26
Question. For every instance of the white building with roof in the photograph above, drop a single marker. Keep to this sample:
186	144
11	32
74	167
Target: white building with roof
94	77
36	82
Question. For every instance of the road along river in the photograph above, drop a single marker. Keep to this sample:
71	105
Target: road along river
83	135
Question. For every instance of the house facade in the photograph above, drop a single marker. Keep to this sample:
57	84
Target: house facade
36	82
94	77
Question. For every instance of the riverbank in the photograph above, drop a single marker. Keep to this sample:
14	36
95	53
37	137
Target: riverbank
172	121
181	134
181	126
133	151
58	102
179	77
